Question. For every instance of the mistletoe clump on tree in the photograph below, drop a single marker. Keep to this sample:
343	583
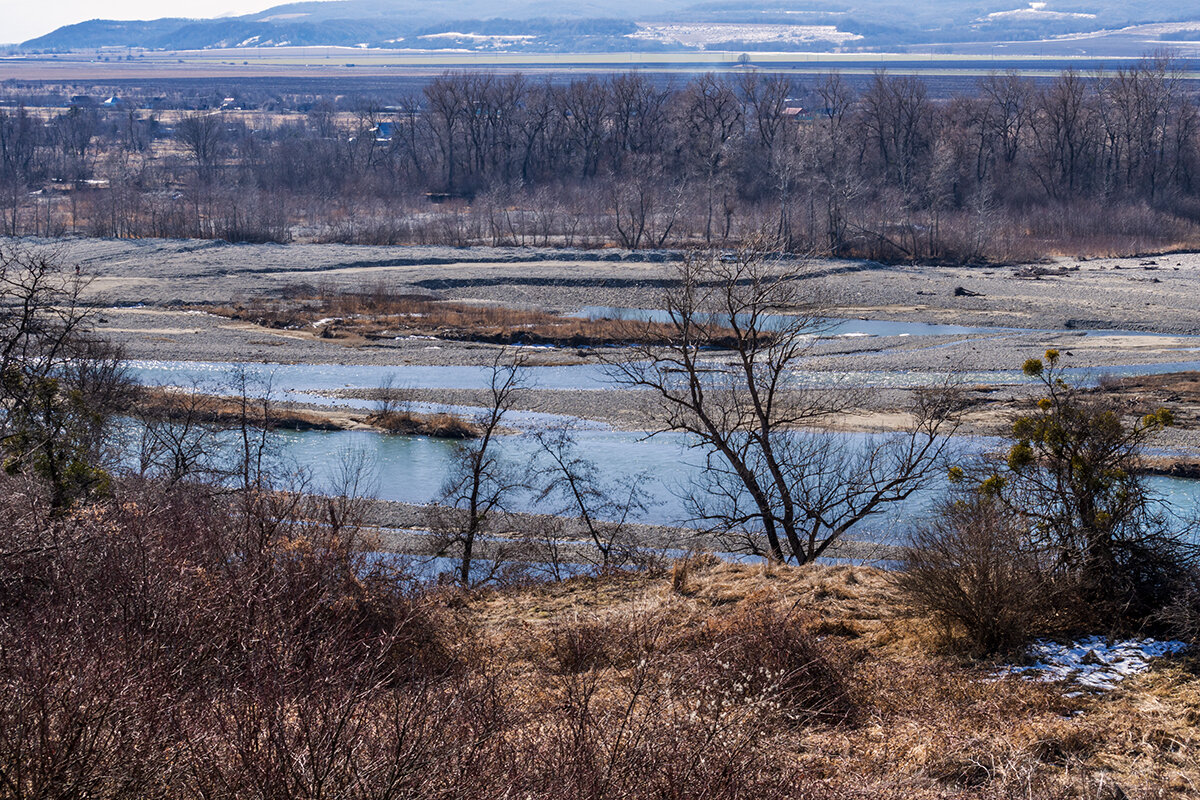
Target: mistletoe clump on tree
1073	477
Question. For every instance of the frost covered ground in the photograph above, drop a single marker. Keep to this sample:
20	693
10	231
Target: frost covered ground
1093	663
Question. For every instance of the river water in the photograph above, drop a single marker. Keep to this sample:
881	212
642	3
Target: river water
837	327
412	468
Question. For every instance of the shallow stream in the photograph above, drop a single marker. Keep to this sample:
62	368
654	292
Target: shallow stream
412	468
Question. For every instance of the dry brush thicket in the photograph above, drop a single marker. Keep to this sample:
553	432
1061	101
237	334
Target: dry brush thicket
172	644
1060	532
193	626
1081	164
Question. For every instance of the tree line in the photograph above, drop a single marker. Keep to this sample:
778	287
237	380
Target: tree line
1099	162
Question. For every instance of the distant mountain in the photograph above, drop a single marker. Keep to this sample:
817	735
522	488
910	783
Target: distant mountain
617	25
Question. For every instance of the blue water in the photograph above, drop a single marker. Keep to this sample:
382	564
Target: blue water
1081	376
412	470
823	327
293	378
831	327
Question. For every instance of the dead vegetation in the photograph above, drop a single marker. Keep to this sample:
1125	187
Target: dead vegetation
1143	394
442	426
165	405
1009	170
176	644
377	312
894	718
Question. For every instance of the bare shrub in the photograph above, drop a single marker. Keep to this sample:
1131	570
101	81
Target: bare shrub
389	398
973	570
442	426
771	657
1073	478
579	645
1181	615
604	508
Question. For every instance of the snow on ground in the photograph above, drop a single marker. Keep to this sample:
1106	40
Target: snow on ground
1093	663
1037	11
704	34
480	37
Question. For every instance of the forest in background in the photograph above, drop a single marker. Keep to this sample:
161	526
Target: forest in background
1095	164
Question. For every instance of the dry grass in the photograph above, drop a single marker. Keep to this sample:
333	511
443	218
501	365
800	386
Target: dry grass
443	426
161	404
925	725
378	313
176	643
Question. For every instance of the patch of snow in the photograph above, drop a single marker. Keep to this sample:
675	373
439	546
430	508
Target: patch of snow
704	34
326	321
478	37
1037	11
1094	663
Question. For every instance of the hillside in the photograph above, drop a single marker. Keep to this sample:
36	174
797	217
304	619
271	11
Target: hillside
537	25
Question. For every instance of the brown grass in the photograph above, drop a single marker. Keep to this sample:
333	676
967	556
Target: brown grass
915	723
1145	394
443	426
176	644
162	404
377	313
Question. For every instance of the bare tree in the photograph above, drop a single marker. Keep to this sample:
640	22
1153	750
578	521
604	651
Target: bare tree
202	134
899	120
712	118
893	172
1006	114
60	383
832	171
767	98
390	398
1065	136
646	206
178	443
481	482
604	508
770	475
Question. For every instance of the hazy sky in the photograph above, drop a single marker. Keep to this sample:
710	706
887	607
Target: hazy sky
25	19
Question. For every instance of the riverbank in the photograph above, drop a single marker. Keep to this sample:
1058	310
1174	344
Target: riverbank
171	404
152	296
1150	294
402	528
